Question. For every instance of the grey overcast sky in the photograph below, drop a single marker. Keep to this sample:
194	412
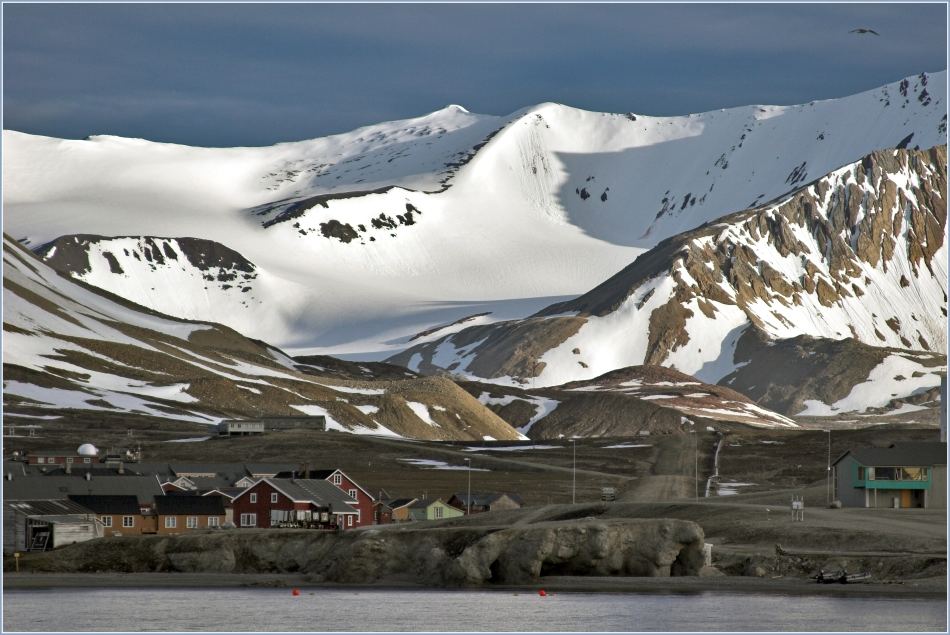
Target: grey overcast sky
256	74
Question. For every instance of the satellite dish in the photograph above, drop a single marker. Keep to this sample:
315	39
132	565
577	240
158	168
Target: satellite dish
87	449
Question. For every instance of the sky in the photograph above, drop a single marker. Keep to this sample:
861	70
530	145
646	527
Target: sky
257	74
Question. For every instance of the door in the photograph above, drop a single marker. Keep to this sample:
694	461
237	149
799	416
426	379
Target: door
906	498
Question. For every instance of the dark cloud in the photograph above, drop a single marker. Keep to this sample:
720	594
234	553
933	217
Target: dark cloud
220	74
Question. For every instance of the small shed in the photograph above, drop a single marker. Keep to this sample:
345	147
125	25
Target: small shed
433	510
40	525
485	501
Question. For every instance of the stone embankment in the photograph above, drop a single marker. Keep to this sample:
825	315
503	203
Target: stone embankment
431	556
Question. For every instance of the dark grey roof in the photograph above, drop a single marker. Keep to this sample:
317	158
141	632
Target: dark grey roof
115	504
317	491
911	454
149	468
396	503
485	499
59	452
229	492
205	483
267	468
189	505
325	492
49	507
56	487
81	469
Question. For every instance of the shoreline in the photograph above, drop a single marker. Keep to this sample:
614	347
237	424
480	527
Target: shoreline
928	588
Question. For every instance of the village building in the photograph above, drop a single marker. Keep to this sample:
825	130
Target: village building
59	457
392	510
364	500
245	427
120	515
433	510
227	495
240	428
485	501
181	514
40	525
57	487
280	502
903	475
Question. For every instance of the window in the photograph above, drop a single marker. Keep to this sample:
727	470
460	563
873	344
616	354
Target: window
106	521
128	521
170	522
69	459
253	497
337	479
248	520
212	521
86	459
273	497
352	494
41	459
885	474
438	512
191	522
349	520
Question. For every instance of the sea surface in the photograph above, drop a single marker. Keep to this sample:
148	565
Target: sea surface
132	609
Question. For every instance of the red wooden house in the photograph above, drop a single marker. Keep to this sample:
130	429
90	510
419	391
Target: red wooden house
289	502
365	503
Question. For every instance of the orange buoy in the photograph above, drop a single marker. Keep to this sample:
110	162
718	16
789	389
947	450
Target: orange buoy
542	593
295	592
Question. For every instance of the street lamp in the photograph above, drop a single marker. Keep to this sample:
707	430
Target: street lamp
469	498
574	471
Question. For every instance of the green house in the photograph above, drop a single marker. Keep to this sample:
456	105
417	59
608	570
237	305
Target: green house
902	475
433	510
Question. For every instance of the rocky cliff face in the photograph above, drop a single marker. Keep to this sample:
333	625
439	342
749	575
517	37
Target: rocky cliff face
431	557
858	253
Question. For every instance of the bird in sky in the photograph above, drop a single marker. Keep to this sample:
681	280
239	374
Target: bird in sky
862	31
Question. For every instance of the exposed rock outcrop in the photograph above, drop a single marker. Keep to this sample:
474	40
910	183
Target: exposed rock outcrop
439	556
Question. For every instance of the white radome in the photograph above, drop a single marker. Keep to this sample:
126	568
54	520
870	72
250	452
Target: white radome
87	449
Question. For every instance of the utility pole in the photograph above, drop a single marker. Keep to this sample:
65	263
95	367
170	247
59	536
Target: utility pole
828	477
574	472
469	498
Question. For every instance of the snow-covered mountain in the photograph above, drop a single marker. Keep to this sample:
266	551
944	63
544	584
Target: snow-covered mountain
859	253
69	348
351	244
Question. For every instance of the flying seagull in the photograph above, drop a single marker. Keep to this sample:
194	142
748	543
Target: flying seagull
862	31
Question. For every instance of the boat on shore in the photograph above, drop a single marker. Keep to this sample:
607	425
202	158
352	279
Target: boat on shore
841	576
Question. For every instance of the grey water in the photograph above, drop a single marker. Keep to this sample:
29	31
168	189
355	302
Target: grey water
334	610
